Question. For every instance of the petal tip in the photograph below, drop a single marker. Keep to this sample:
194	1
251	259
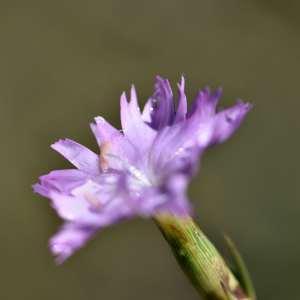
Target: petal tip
40	189
133	95
99	120
61	252
60	143
181	84
218	92
123	101
244	106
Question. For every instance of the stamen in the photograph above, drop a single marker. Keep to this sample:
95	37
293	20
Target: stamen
103	152
95	204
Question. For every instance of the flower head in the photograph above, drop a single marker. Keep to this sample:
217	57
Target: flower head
142	170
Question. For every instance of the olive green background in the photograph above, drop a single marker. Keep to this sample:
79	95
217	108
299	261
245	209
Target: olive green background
64	62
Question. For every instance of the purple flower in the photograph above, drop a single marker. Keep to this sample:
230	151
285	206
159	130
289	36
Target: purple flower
142	170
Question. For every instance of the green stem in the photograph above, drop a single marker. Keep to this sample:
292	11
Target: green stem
199	259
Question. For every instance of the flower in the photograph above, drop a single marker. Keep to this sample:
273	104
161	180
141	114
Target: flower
142	170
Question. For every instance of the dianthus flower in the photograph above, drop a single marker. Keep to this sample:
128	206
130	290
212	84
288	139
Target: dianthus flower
142	170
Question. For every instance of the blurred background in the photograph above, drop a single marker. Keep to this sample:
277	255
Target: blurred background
64	62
